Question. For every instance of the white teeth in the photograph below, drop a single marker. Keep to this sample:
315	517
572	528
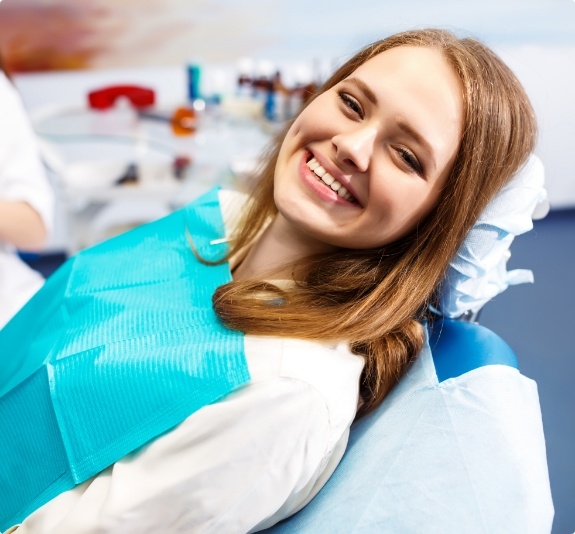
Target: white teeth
343	192
313	164
328	179
320	171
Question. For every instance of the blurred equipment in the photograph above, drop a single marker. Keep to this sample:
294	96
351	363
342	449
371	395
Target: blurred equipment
105	98
123	150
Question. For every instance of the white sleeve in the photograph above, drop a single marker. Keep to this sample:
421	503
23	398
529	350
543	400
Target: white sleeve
226	469
22	174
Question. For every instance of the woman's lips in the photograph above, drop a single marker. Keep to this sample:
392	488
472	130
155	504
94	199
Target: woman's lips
330	181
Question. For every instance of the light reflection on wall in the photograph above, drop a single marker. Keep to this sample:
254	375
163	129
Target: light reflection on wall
43	35
38	35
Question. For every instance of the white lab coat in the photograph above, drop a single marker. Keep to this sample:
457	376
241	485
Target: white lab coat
22	178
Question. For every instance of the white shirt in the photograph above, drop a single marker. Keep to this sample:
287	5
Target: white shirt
22	178
237	466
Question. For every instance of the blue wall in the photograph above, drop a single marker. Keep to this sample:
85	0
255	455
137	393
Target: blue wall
538	322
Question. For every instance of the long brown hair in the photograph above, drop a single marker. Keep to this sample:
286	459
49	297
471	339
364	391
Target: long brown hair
375	299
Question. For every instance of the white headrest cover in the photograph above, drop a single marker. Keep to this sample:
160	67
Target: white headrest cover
478	272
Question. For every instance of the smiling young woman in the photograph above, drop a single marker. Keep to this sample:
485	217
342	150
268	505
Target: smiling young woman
422	129
157	418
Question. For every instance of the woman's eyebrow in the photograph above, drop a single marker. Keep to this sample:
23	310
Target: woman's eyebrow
364	88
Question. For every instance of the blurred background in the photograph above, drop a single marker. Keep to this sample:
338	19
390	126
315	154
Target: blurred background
225	74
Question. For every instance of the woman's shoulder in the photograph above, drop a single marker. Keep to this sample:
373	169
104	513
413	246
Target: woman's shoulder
331	370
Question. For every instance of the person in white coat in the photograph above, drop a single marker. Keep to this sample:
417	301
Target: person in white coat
26	202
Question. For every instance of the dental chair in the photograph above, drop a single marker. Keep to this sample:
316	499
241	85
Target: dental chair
457	446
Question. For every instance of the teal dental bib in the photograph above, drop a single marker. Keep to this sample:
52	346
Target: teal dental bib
118	347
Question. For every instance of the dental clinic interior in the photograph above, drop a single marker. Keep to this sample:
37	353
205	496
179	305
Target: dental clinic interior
140	107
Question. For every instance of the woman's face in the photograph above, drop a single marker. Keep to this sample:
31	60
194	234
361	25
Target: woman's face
385	138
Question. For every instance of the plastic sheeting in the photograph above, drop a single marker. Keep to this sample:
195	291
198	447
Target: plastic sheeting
479	270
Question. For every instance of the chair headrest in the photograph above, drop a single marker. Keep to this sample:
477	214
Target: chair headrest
458	347
478	272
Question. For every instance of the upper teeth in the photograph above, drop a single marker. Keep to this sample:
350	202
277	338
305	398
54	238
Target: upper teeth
328	179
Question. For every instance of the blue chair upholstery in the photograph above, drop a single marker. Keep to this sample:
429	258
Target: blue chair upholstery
449	338
361	495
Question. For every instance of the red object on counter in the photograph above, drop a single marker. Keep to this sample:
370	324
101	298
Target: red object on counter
105	98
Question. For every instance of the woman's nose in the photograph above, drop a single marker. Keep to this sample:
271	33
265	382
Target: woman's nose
355	147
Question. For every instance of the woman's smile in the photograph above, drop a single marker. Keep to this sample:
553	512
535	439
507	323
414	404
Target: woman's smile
365	161
330	187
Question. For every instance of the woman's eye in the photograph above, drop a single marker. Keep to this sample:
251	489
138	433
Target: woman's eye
351	103
410	159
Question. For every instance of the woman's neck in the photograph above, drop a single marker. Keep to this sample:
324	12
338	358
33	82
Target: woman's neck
275	250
